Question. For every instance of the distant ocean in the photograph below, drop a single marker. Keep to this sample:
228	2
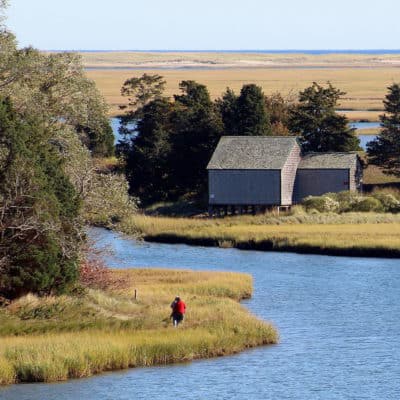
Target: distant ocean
316	52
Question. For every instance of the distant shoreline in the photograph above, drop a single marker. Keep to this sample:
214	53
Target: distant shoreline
310	52
214	68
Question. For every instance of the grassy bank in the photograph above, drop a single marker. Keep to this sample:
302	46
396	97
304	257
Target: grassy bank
58	338
351	234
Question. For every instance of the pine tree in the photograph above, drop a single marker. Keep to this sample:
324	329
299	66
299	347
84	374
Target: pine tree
253	119
315	120
384	151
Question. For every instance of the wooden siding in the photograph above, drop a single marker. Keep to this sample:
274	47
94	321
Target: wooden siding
288	175
356	175
244	187
316	182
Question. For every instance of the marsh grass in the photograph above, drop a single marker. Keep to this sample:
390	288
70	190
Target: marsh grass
111	330
324	233
365	87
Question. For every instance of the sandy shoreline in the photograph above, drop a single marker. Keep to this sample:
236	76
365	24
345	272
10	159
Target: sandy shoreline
193	60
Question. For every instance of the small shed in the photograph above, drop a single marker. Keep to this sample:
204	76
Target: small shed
253	170
320	173
271	171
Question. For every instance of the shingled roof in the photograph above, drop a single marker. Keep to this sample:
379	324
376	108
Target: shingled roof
252	152
328	160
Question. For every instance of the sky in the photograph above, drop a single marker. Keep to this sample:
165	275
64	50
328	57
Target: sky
205	24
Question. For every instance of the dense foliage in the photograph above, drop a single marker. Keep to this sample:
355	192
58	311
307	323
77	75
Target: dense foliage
379	201
168	149
319	126
169	143
245	114
385	149
52	121
54	88
39	210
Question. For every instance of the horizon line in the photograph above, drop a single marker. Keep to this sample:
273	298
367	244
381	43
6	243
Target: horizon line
227	50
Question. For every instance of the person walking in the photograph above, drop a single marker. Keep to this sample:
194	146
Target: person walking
178	311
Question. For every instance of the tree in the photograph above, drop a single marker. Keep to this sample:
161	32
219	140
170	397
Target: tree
253	119
320	128
139	91
54	87
197	127
40	228
279	108
228	108
103	192
170	145
142	90
147	153
384	151
245	114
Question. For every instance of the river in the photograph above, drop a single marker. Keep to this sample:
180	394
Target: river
338	318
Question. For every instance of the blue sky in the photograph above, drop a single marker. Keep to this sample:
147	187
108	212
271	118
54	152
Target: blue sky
206	24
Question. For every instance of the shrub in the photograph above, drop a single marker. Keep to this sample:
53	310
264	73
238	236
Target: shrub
365	204
388	201
321	204
346	200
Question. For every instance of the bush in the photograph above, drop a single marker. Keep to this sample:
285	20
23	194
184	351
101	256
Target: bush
365	204
388	201
346	199
321	203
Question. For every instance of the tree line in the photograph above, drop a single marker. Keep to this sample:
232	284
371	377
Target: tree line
168	142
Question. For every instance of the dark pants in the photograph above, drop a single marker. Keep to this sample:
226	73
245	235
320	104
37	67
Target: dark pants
177	318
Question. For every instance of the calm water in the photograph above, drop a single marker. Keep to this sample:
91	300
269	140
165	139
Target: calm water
339	321
365	139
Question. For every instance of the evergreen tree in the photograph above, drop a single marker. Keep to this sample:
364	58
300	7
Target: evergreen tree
227	106
252	119
148	151
384	151
197	128
245	114
39	224
320	128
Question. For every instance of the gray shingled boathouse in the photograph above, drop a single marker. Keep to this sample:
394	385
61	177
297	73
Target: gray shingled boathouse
270	171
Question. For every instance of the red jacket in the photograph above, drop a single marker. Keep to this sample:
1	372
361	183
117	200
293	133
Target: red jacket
179	307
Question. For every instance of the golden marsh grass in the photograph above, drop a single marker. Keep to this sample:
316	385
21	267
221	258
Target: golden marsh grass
123	332
365	88
347	234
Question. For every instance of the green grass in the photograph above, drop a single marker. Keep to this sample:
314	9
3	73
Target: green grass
57	338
